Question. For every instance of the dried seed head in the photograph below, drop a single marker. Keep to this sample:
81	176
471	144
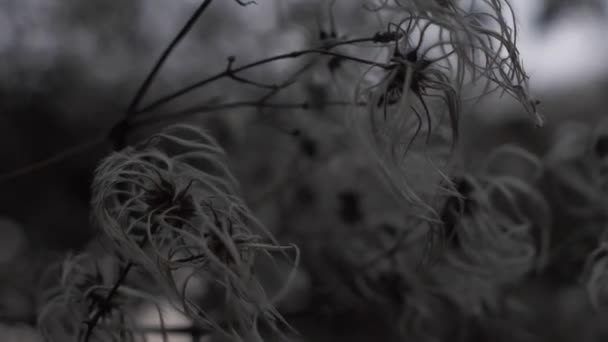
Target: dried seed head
171	203
444	49
507	231
76	291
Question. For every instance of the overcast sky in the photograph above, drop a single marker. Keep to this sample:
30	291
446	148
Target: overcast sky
573	49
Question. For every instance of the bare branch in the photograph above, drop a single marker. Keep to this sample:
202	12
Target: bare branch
141	92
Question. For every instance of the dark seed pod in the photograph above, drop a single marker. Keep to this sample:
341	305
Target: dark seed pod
304	195
350	207
601	146
309	147
334	63
455	207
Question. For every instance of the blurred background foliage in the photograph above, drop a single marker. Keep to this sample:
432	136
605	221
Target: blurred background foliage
70	67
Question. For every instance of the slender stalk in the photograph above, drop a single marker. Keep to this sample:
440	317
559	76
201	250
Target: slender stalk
229	72
102	308
143	89
154	119
117	136
54	159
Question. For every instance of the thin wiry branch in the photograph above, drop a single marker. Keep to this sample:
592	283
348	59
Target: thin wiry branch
104	305
227	73
120	130
117	136
261	104
141	92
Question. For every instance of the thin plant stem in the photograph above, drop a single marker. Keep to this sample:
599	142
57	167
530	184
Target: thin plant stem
102	308
143	89
227	73
240	104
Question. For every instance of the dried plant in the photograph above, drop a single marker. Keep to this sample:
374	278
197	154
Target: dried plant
77	292
444	50
496	233
170	204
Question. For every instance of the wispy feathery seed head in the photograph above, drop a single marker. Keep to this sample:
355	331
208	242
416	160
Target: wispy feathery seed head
77	287
502	238
414	106
171	203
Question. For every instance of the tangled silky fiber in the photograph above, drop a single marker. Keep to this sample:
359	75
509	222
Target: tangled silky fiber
447	51
595	273
66	304
577	170
82	281
578	179
595	276
171	203
501	237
